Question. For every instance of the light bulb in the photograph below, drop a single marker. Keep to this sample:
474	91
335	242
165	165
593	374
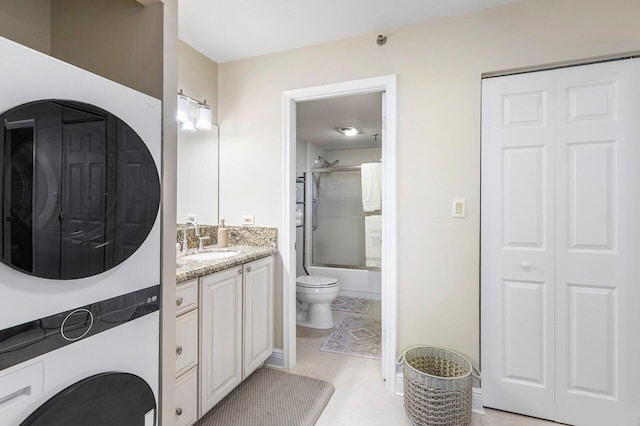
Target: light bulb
203	122
188	125
183	109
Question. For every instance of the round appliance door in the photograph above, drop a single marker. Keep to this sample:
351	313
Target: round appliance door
102	400
80	190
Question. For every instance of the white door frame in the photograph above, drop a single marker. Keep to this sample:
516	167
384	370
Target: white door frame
387	84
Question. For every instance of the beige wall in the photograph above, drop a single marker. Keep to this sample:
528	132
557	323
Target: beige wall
27	22
117	39
198	76
439	65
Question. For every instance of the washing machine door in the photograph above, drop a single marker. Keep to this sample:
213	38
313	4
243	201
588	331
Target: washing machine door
106	399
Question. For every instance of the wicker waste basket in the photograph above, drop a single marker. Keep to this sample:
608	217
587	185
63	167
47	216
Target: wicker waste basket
437	386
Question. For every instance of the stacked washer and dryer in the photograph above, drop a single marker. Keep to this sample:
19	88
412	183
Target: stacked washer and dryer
79	246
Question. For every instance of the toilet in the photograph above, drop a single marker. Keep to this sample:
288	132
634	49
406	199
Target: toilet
314	295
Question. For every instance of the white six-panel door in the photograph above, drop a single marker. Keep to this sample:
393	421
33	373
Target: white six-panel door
518	224
560	243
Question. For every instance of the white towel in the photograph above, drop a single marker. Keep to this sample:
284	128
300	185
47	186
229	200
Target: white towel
371	175
373	241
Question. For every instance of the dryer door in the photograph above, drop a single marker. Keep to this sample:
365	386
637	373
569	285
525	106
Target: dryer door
102	400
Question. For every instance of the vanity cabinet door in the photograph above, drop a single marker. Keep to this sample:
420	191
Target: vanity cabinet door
258	313
187	399
186	342
221	336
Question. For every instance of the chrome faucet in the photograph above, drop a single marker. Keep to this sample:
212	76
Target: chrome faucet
184	233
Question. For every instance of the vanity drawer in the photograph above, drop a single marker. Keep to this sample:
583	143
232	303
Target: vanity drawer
187	399
186	297
186	342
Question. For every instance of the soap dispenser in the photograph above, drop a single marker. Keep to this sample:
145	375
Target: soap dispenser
223	235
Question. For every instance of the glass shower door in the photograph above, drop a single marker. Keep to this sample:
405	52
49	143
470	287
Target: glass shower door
338	219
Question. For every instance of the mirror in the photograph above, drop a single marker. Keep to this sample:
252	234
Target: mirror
80	189
198	176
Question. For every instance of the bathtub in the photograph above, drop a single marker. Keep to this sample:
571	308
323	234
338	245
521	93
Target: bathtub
353	282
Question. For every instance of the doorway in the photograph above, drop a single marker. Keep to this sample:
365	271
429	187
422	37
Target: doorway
291	99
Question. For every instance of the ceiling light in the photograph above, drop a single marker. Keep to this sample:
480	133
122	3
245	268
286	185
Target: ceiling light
203	120
348	131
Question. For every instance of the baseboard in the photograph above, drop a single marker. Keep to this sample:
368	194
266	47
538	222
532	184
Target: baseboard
477	399
276	359
399	384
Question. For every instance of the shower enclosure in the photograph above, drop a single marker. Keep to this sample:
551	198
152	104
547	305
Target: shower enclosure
337	231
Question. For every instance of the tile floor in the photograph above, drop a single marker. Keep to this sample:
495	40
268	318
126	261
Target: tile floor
360	398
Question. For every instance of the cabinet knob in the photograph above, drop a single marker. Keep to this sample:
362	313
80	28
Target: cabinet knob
526	266
240	271
179	350
179	411
248	268
179	301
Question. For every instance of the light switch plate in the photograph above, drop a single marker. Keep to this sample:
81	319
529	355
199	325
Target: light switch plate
458	208
248	220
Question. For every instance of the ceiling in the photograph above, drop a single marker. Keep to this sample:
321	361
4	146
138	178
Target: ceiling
317	120
226	30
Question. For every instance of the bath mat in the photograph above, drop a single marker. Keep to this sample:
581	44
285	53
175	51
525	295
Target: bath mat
271	398
356	336
356	305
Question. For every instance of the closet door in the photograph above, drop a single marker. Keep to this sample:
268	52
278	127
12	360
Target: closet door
597	244
517	243
561	336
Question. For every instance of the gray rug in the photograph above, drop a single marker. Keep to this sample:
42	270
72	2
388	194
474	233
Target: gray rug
356	336
356	305
271	398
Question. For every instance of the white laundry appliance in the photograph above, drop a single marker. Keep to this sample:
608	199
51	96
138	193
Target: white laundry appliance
79	246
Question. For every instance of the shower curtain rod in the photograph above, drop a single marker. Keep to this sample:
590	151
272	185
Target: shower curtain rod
335	169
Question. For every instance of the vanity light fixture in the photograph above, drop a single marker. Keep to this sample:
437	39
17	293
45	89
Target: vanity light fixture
202	120
348	131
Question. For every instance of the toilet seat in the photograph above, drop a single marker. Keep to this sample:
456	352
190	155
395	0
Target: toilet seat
315	281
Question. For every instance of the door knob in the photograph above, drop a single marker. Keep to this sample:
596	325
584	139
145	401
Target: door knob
526	266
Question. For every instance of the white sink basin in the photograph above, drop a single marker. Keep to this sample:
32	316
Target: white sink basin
214	255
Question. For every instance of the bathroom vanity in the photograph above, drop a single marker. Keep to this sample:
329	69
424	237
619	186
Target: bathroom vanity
224	324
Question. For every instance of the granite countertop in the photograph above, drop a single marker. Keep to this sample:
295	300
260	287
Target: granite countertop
192	269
